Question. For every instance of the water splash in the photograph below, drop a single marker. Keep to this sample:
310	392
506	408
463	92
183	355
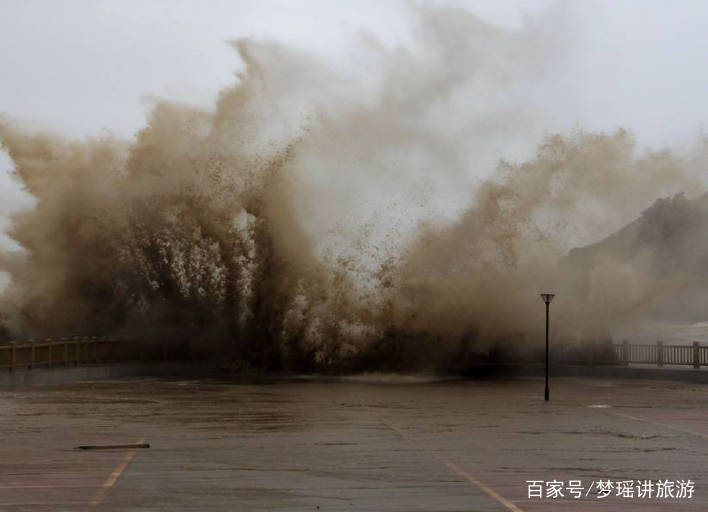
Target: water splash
313	221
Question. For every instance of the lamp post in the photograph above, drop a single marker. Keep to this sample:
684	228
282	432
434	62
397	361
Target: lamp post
547	298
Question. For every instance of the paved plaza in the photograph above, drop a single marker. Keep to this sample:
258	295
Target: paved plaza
374	443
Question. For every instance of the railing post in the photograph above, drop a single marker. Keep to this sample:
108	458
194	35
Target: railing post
13	361
75	343
66	353
31	365
696	355
49	354
660	353
625	352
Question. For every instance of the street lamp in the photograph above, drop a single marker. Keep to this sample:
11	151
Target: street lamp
547	298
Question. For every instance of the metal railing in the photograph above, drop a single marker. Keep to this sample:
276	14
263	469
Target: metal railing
695	355
57	352
81	350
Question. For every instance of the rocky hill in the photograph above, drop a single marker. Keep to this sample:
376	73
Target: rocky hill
666	252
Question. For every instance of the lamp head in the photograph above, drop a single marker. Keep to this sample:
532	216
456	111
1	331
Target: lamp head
547	297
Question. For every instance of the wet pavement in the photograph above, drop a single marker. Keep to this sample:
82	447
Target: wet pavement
378	443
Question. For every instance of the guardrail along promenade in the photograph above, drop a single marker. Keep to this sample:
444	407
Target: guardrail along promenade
695	355
84	350
50	352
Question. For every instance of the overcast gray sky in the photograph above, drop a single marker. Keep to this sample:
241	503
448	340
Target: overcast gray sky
90	67
85	66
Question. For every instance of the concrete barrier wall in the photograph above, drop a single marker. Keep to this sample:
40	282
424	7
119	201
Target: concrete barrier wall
61	375
605	372
614	372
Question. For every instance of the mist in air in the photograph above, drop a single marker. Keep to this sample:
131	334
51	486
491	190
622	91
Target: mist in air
402	211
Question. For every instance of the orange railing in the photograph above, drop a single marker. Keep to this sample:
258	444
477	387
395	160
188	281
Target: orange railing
49	352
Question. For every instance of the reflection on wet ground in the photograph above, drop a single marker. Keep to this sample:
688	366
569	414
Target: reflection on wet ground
365	443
